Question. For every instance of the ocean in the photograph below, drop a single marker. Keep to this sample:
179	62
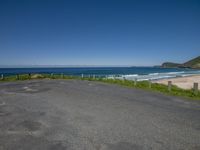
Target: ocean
129	73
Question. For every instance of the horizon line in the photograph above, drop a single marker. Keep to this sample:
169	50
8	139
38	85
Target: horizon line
70	66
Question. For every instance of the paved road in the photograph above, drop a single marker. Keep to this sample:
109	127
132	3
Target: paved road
83	115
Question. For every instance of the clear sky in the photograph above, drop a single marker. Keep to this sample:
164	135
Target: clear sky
98	32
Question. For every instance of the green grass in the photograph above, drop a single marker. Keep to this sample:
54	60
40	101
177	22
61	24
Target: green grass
175	91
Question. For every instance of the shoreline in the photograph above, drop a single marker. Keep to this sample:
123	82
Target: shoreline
182	82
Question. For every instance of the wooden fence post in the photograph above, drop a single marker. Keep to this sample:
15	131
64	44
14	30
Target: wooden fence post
51	75
62	75
2	77
124	79
169	86
82	75
149	83
17	76
29	76
135	81
195	88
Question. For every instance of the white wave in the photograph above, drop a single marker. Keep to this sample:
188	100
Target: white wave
186	75
143	79
130	75
163	77
153	74
180	72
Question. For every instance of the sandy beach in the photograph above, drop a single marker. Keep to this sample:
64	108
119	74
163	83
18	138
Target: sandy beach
182	82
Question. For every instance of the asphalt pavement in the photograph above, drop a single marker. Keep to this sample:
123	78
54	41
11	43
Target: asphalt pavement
85	115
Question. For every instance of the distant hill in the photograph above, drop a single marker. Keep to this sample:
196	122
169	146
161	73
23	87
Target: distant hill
170	65
194	63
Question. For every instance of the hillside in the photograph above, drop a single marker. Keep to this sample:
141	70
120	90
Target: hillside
170	65
193	63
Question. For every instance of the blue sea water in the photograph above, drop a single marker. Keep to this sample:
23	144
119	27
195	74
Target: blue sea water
130	73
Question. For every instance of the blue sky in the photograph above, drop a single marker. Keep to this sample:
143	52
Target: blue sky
98	32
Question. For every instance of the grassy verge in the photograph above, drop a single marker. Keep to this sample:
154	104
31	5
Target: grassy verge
141	85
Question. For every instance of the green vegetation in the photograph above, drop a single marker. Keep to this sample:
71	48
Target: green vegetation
140	85
170	65
155	87
194	63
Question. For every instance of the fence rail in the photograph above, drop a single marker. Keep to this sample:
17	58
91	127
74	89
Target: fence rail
4	77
